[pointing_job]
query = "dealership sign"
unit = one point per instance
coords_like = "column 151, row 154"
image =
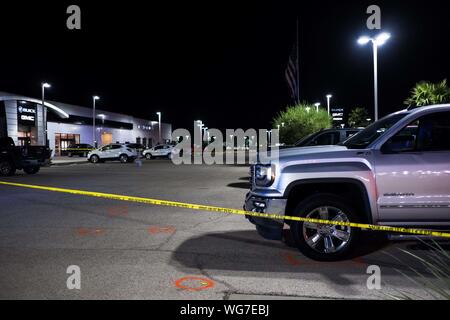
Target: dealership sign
column 26, row 115
column 337, row 114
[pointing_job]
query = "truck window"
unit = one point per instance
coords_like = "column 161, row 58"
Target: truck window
column 434, row 132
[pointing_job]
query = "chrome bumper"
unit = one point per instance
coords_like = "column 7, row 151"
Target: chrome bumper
column 270, row 229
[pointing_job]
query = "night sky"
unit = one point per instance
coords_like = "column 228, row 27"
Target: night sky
column 219, row 61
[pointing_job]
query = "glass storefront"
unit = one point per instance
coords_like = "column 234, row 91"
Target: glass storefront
column 63, row 141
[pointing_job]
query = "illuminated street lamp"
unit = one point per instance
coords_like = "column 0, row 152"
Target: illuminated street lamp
column 317, row 104
column 94, row 98
column 103, row 117
column 329, row 96
column 159, row 126
column 43, row 87
column 376, row 42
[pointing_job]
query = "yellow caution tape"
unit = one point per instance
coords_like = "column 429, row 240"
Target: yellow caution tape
column 201, row 207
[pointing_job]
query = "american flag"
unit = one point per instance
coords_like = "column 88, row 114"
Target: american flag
column 292, row 74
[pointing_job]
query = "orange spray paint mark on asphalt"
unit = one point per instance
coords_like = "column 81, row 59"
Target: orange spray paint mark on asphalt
column 89, row 231
column 158, row 229
column 293, row 261
column 117, row 211
column 191, row 283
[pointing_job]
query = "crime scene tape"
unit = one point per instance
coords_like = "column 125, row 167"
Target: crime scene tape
column 201, row 207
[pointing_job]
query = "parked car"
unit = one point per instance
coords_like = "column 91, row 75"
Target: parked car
column 26, row 158
column 139, row 148
column 112, row 151
column 78, row 150
column 327, row 137
column 395, row 172
column 165, row 150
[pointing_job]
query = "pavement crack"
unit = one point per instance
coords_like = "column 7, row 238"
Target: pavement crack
column 199, row 266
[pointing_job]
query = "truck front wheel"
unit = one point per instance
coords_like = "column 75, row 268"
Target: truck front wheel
column 325, row 242
column 7, row 168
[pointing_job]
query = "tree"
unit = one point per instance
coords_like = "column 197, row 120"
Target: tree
column 358, row 118
column 428, row 93
column 299, row 121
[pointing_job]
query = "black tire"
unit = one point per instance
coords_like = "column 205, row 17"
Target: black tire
column 320, row 237
column 94, row 158
column 31, row 170
column 7, row 168
column 148, row 156
column 123, row 158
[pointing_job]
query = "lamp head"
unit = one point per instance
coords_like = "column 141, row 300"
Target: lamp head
column 363, row 40
column 382, row 38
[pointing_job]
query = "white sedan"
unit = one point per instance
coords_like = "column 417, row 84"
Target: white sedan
column 112, row 152
column 165, row 150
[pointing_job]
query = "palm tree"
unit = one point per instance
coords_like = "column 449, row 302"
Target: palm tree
column 428, row 93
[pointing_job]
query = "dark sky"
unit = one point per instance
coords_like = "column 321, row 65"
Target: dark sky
column 219, row 61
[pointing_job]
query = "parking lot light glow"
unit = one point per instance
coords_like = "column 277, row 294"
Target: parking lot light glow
column 159, row 126
column 382, row 38
column 329, row 96
column 45, row 85
column 317, row 104
column 94, row 134
column 379, row 40
column 363, row 40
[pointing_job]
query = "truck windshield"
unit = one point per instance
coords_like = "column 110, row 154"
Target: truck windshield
column 364, row 138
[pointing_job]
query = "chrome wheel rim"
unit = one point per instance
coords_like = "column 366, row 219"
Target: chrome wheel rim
column 323, row 238
column 123, row 158
column 94, row 159
column 148, row 156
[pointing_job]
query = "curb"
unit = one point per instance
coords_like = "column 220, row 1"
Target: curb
column 67, row 163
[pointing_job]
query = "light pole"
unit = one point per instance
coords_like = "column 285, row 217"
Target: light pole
column 269, row 133
column 376, row 42
column 94, row 98
column 159, row 126
column 329, row 96
column 205, row 133
column 317, row 104
column 44, row 109
column 200, row 125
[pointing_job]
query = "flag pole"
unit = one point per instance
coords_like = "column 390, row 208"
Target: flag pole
column 297, row 62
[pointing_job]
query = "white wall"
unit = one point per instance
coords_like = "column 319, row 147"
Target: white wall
column 120, row 135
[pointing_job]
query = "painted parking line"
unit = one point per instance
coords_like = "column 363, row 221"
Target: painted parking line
column 199, row 207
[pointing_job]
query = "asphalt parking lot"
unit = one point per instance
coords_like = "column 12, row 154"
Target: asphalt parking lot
column 135, row 251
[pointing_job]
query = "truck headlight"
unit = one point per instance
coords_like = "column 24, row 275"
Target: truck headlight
column 264, row 175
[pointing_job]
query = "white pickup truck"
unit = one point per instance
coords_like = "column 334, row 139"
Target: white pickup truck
column 396, row 172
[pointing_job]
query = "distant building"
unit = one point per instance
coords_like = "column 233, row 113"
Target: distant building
column 25, row 120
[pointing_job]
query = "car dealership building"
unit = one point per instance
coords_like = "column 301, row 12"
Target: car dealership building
column 26, row 121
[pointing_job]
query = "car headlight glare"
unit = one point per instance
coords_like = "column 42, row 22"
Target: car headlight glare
column 264, row 175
